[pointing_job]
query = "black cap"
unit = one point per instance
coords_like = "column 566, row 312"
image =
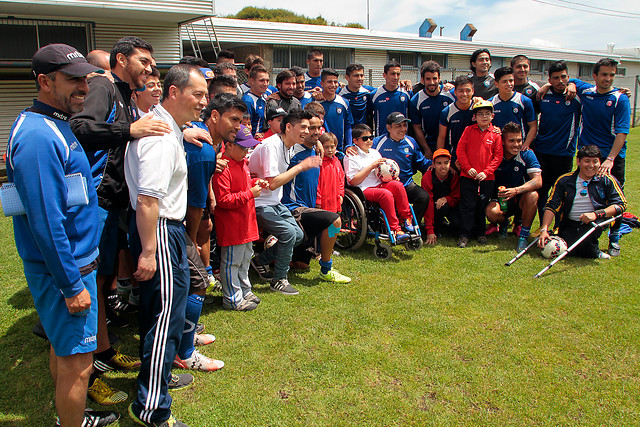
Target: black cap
column 395, row 118
column 61, row 57
column 272, row 113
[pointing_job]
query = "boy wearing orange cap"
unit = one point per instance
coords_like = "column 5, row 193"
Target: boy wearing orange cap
column 442, row 184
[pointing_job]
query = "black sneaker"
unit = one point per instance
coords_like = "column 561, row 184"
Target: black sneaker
column 463, row 242
column 180, row 381
column 263, row 270
column 97, row 418
column 283, row 286
column 38, row 330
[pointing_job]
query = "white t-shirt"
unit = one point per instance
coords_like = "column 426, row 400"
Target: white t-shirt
column 354, row 164
column 268, row 160
column 156, row 166
column 581, row 204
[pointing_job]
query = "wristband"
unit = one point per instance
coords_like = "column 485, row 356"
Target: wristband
column 610, row 158
column 600, row 213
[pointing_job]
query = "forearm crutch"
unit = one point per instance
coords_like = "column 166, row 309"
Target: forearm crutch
column 522, row 252
column 594, row 227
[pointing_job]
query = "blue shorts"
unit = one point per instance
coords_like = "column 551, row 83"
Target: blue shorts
column 67, row 334
column 109, row 231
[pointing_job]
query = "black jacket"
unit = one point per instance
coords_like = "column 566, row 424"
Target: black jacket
column 604, row 191
column 103, row 131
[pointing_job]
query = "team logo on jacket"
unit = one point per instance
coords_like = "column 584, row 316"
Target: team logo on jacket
column 402, row 98
column 339, row 110
column 567, row 103
column 487, row 83
column 609, row 103
column 515, row 110
column 528, row 91
column 516, row 168
column 445, row 103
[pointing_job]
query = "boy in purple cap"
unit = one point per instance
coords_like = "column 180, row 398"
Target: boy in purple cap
column 236, row 222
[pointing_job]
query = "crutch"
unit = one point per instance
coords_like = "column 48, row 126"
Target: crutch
column 594, row 227
column 522, row 252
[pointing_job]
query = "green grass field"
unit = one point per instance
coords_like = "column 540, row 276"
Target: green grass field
column 443, row 336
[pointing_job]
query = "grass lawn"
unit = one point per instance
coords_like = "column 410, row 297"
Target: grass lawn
column 443, row 336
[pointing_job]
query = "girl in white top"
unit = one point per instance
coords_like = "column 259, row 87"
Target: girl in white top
column 360, row 171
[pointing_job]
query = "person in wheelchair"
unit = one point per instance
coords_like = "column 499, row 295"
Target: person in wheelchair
column 391, row 196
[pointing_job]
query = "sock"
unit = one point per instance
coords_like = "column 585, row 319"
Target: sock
column 105, row 355
column 504, row 225
column 325, row 266
column 614, row 236
column 194, row 308
column 94, row 376
column 210, row 270
column 524, row 232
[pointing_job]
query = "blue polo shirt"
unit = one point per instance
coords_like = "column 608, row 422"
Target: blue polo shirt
column 517, row 109
column 201, row 164
column 358, row 102
column 406, row 154
column 603, row 116
column 558, row 126
column 255, row 107
column 306, row 98
column 338, row 120
column 302, row 190
column 385, row 102
column 424, row 110
column 311, row 82
column 456, row 121
column 515, row 172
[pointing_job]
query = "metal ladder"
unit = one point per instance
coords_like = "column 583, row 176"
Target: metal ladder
column 210, row 29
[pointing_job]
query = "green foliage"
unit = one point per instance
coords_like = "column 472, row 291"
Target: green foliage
column 282, row 15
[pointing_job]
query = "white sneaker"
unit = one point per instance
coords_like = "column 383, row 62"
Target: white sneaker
column 203, row 339
column 198, row 362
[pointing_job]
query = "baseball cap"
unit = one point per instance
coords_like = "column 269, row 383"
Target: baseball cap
column 274, row 112
column 244, row 138
column 395, row 118
column 441, row 152
column 207, row 72
column 61, row 57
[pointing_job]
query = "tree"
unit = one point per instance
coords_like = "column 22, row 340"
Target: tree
column 282, row 15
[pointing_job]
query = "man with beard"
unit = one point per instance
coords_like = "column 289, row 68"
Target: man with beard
column 286, row 84
column 58, row 242
column 105, row 126
column 425, row 108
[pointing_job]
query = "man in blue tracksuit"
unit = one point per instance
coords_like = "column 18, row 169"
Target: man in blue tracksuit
column 57, row 240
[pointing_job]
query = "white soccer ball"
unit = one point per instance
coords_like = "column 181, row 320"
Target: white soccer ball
column 388, row 171
column 554, row 247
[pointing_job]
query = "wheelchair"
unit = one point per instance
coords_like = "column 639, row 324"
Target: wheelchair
column 362, row 218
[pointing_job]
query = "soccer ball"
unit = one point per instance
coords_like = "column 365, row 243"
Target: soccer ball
column 554, row 247
column 388, row 171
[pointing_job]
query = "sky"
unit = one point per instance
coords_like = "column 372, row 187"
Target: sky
column 527, row 22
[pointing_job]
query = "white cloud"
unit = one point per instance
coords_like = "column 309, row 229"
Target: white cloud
column 543, row 43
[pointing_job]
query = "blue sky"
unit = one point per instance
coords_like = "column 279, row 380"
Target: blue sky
column 509, row 21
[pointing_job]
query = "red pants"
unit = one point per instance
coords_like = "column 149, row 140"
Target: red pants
column 390, row 196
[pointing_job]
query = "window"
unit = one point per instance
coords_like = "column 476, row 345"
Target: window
column 406, row 59
column 285, row 57
column 621, row 71
column 585, row 70
column 28, row 36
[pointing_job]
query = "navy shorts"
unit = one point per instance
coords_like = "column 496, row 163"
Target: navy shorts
column 109, row 229
column 67, row 334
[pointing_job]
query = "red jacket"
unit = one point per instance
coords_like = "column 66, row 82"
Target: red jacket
column 330, row 185
column 452, row 199
column 235, row 213
column 481, row 150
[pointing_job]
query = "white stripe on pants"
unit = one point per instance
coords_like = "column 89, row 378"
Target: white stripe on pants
column 234, row 272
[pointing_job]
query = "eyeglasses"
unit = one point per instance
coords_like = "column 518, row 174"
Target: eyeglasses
column 584, row 188
column 366, row 138
column 483, row 114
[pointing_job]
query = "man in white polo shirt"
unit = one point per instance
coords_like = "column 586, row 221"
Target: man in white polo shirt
column 156, row 173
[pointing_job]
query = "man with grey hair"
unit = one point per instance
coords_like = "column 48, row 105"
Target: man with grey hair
column 156, row 173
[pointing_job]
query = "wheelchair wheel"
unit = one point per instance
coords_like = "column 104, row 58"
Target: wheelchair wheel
column 382, row 251
column 354, row 222
column 414, row 244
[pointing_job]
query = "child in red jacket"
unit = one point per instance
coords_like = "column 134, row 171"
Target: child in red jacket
column 479, row 153
column 236, row 223
column 331, row 181
column 442, row 184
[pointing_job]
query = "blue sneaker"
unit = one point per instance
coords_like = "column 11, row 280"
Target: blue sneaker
column 408, row 226
column 522, row 244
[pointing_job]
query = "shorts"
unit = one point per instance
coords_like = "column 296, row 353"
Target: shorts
column 110, row 236
column 67, row 334
column 513, row 206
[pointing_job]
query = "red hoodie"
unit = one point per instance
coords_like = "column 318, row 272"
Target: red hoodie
column 330, row 185
column 481, row 150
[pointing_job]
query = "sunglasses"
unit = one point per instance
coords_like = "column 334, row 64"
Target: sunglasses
column 584, row 188
column 366, row 138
